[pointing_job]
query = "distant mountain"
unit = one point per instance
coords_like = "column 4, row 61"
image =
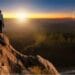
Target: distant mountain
column 51, row 25
column 59, row 25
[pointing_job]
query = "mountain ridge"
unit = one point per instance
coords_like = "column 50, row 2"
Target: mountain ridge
column 12, row 61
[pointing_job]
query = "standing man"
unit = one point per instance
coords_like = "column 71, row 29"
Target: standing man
column 1, row 22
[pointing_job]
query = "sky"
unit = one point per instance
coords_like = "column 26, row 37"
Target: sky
column 39, row 8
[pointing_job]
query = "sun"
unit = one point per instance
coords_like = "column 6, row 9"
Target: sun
column 21, row 16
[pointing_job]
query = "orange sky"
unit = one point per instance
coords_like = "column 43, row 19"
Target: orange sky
column 41, row 15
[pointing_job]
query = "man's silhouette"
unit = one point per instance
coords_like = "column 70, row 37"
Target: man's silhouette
column 1, row 26
column 1, row 22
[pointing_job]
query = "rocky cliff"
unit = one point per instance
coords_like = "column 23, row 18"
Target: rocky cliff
column 13, row 62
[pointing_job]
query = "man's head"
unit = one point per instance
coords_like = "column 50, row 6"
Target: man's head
column 0, row 11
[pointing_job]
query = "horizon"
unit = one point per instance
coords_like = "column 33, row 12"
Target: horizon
column 39, row 15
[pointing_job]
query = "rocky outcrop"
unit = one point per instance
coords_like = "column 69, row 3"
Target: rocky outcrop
column 13, row 62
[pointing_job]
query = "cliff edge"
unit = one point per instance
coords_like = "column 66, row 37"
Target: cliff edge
column 13, row 62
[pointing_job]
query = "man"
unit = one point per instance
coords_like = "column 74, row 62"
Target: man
column 1, row 22
column 1, row 26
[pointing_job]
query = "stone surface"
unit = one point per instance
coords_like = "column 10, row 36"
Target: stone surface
column 13, row 62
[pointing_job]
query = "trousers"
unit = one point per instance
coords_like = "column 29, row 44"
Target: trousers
column 0, row 26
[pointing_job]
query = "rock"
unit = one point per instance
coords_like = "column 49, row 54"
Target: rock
column 13, row 62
